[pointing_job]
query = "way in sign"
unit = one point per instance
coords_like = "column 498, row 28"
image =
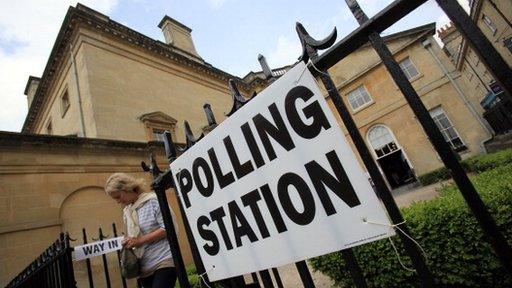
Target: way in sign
column 97, row 248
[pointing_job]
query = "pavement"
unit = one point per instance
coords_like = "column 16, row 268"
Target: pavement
column 405, row 196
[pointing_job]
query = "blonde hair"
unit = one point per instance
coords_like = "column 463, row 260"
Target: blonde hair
column 123, row 182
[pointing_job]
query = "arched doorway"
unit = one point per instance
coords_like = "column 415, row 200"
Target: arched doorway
column 390, row 156
column 90, row 208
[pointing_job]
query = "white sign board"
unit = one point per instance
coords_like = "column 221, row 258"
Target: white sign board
column 276, row 183
column 97, row 248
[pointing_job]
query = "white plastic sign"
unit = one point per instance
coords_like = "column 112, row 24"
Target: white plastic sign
column 276, row 183
column 97, row 248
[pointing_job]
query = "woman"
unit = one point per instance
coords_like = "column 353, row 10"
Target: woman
column 145, row 230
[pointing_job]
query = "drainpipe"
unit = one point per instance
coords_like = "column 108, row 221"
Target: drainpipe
column 72, row 56
column 428, row 45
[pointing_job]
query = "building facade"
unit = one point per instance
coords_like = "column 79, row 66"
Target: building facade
column 392, row 132
column 107, row 90
column 494, row 20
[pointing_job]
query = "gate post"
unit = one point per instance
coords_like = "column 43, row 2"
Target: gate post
column 170, row 230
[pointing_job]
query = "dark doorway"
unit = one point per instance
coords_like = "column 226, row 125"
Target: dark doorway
column 396, row 169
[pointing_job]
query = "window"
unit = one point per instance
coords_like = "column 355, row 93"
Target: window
column 382, row 141
column 408, row 68
column 49, row 128
column 64, row 103
column 359, row 97
column 156, row 123
column 447, row 129
column 508, row 44
column 489, row 24
column 158, row 135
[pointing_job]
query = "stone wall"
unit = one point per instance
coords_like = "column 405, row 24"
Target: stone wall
column 52, row 184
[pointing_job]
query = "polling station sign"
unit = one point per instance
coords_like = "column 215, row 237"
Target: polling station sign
column 97, row 248
column 276, row 183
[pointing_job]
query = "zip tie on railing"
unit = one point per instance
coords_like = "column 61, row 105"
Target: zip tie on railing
column 303, row 70
column 318, row 70
column 300, row 75
column 396, row 226
column 202, row 274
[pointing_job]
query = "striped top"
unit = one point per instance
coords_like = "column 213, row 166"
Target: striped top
column 150, row 219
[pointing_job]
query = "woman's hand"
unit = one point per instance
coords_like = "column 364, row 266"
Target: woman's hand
column 132, row 242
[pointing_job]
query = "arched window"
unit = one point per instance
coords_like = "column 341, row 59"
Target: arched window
column 381, row 140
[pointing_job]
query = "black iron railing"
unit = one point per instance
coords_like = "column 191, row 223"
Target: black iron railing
column 53, row 268
column 369, row 31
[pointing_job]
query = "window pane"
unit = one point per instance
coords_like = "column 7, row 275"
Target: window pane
column 447, row 129
column 456, row 143
column 444, row 123
column 358, row 97
column 408, row 68
column 451, row 133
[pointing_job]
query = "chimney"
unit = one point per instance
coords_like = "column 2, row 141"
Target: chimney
column 178, row 35
column 31, row 88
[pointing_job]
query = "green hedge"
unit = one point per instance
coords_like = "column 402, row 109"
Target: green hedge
column 476, row 164
column 458, row 255
column 486, row 162
column 435, row 176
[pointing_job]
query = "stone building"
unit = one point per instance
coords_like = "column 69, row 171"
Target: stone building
column 470, row 66
column 389, row 126
column 107, row 90
column 493, row 18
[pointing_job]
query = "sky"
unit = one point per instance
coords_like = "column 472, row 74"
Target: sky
column 229, row 34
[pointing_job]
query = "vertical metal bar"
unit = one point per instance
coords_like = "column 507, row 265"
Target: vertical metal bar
column 355, row 270
column 172, row 237
column 254, row 277
column 305, row 275
column 88, row 262
column 236, row 282
column 380, row 185
column 118, row 256
column 277, row 277
column 69, row 262
column 482, row 46
column 159, row 185
column 193, row 247
column 64, row 276
column 105, row 264
column 57, row 269
column 58, row 273
column 49, row 267
column 170, row 151
column 468, row 191
column 266, row 279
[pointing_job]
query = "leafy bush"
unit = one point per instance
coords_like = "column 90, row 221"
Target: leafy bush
column 488, row 161
column 457, row 252
column 435, row 176
column 479, row 163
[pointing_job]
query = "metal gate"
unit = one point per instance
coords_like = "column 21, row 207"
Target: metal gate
column 369, row 31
